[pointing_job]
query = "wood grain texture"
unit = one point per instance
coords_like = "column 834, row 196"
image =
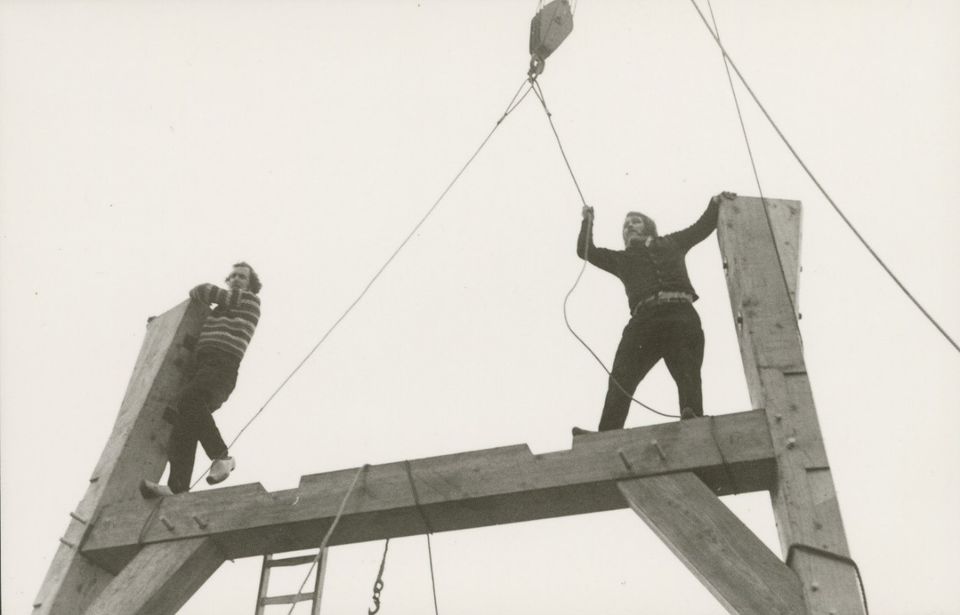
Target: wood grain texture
column 804, row 500
column 136, row 449
column 160, row 579
column 464, row 490
column 737, row 568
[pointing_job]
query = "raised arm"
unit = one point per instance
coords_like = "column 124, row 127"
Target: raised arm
column 701, row 229
column 601, row 257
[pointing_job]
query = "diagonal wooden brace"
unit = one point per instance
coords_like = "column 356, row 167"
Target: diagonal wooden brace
column 160, row 579
column 738, row 569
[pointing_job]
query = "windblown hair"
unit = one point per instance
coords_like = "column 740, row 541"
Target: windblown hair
column 255, row 284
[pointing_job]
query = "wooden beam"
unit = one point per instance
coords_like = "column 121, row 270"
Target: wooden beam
column 785, row 219
column 732, row 453
column 804, row 500
column 136, row 449
column 160, row 579
column 737, row 568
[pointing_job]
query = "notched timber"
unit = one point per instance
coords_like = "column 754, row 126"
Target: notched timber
column 136, row 449
column 762, row 258
column 465, row 490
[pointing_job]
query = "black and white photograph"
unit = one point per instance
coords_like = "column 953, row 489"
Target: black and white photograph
column 467, row 307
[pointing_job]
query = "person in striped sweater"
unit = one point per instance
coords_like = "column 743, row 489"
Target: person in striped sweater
column 223, row 340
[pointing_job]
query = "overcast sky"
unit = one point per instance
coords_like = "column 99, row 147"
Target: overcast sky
column 146, row 146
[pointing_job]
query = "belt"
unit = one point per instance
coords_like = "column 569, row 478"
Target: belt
column 664, row 297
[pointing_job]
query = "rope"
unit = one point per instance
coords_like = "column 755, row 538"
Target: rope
column 836, row 557
column 426, row 524
column 809, row 173
column 736, row 102
column 513, row 104
column 538, row 91
column 326, row 537
column 149, row 520
column 726, row 63
column 723, row 459
column 753, row 165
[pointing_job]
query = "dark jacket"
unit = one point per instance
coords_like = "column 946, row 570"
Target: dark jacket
column 647, row 270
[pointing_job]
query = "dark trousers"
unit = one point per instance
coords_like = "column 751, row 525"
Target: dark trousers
column 207, row 389
column 668, row 331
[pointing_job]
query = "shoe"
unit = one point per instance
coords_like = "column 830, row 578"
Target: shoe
column 577, row 431
column 220, row 470
column 688, row 413
column 150, row 489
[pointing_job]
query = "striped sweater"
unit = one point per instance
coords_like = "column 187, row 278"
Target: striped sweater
column 230, row 326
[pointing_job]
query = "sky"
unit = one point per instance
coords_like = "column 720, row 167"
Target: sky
column 147, row 146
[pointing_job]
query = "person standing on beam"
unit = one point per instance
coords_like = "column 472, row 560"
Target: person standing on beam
column 223, row 341
column 663, row 322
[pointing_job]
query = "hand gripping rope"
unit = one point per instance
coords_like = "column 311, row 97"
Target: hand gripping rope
column 538, row 91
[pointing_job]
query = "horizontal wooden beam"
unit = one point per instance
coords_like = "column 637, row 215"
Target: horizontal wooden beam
column 730, row 453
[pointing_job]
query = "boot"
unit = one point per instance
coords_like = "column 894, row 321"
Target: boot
column 150, row 489
column 220, row 470
column 688, row 413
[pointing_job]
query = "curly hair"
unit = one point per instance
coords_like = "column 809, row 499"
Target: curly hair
column 255, row 284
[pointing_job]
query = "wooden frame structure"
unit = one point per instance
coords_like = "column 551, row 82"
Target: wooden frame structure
column 125, row 555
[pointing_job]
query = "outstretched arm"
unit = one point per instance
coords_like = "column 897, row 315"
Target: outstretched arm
column 701, row 229
column 600, row 257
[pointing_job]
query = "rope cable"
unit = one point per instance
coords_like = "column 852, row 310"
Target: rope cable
column 513, row 104
column 823, row 191
column 736, row 102
column 326, row 537
column 734, row 487
column 429, row 528
column 538, row 92
column 756, row 175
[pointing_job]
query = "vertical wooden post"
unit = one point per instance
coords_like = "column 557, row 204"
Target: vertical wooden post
column 761, row 256
column 136, row 449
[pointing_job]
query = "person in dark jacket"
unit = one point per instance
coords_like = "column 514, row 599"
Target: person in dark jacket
column 223, row 341
column 663, row 322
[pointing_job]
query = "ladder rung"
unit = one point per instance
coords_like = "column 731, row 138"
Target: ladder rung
column 291, row 561
column 286, row 599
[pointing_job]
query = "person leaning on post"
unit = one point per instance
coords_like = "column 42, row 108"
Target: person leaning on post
column 221, row 346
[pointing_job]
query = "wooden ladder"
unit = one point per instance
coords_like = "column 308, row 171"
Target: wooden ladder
column 263, row 600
